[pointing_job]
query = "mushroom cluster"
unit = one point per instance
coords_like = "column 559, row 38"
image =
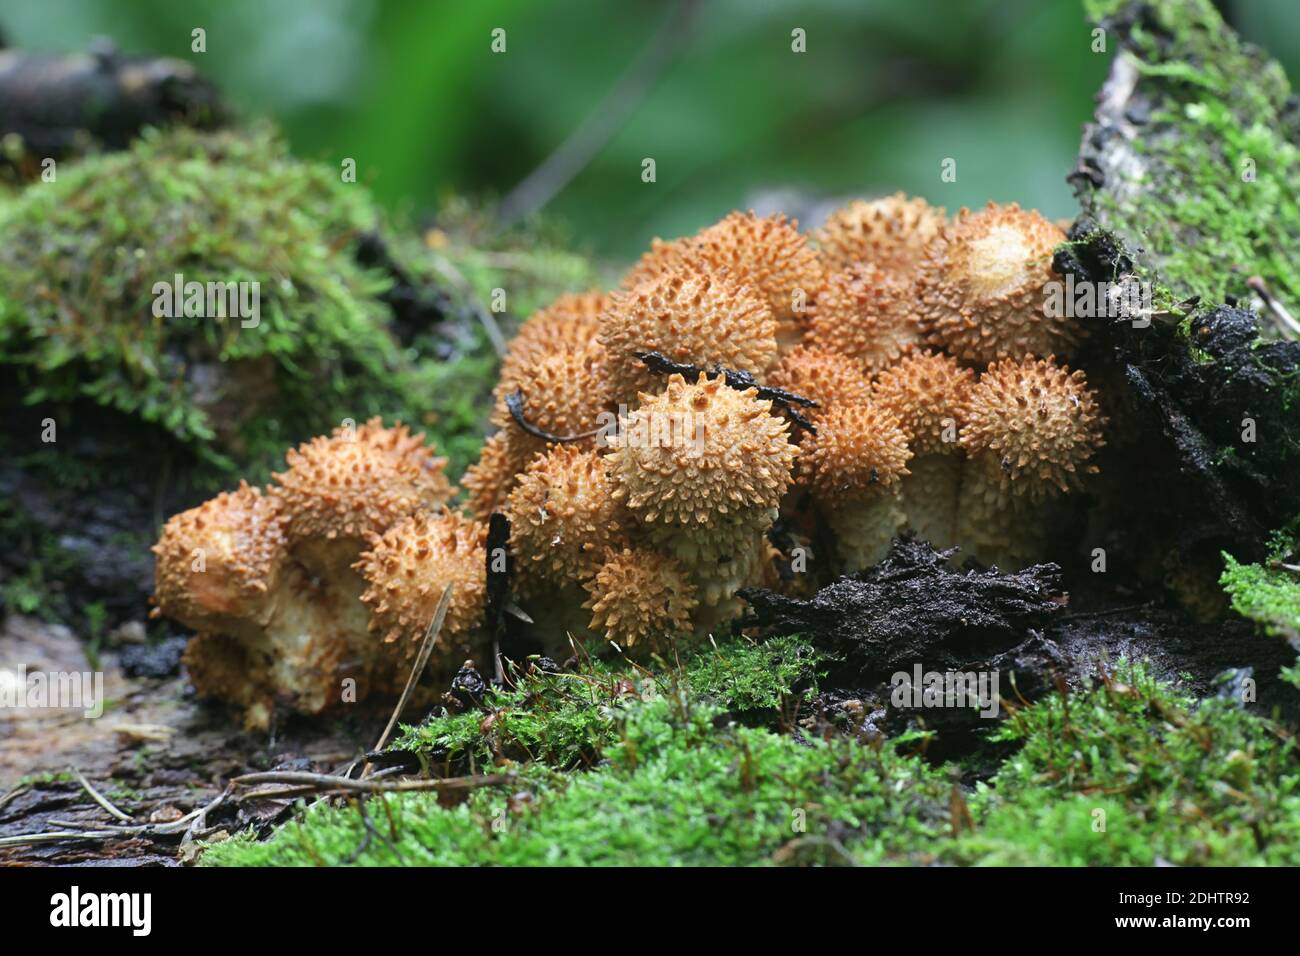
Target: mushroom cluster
column 300, row 591
column 897, row 369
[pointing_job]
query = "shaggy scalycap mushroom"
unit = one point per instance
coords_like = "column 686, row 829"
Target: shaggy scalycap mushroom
column 928, row 391
column 826, row 377
column 1036, row 424
column 406, row 570
column 216, row 564
column 694, row 318
column 639, row 595
column 700, row 454
column 853, row 466
column 564, row 394
column 859, row 451
column 890, row 233
column 984, row 287
column 570, row 322
column 866, row 314
column 769, row 254
column 488, row 481
column 357, row 483
column 563, row 517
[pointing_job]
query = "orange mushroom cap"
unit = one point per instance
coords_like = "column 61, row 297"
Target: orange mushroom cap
column 563, row 516
column 866, row 314
column 691, row 316
column 637, row 595
column 1035, row 424
column 984, row 287
column 700, row 455
column 890, row 233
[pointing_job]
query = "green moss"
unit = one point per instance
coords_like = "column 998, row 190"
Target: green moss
column 1216, row 202
column 679, row 782
column 1131, row 772
column 1267, row 595
column 83, row 255
column 570, row 719
column 678, row 790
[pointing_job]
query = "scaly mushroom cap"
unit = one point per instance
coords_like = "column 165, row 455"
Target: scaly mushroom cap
column 570, row 322
column 662, row 256
column 564, row 393
column 489, row 480
column 693, row 317
column 700, row 455
column 1035, row 424
column 867, row 315
column 983, row 287
column 563, row 517
column 891, row 233
column 638, row 595
column 767, row 253
column 358, row 482
column 926, row 391
column 406, row 570
column 828, row 378
column 859, row 451
column 217, row 562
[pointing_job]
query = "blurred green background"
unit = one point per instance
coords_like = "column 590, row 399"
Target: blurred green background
column 885, row 92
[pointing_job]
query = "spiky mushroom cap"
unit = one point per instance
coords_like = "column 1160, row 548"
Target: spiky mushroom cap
column 406, row 570
column 858, row 452
column 693, row 317
column 701, row 455
column 827, row 377
column 638, row 595
column 866, row 314
column 891, row 233
column 489, row 480
column 983, row 287
column 662, row 256
column 563, row 517
column 563, row 393
column 216, row 563
column 570, row 322
column 358, row 482
column 1035, row 424
column 767, row 253
column 927, row 391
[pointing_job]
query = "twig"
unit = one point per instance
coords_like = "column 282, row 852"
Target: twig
column 515, row 405
column 573, row 155
column 34, row 839
column 183, row 825
column 736, row 379
column 486, row 319
column 12, row 795
column 98, row 797
column 421, row 659
column 1289, row 325
column 1105, row 612
column 324, row 781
